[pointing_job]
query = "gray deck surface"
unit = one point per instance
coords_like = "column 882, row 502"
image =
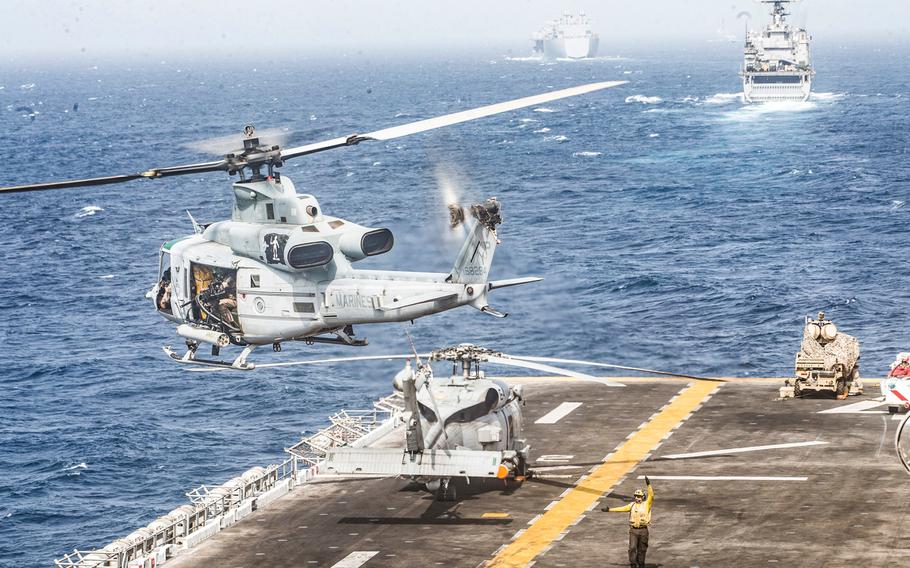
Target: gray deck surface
column 850, row 511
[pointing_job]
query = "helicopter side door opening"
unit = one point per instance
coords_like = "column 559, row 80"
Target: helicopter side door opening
column 214, row 293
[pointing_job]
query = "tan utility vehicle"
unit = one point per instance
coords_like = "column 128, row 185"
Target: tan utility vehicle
column 828, row 360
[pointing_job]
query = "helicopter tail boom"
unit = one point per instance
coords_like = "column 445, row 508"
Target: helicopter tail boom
column 472, row 266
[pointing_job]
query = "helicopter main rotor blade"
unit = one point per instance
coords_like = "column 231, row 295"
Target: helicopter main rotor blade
column 152, row 173
column 448, row 119
column 611, row 366
column 273, row 155
column 508, row 360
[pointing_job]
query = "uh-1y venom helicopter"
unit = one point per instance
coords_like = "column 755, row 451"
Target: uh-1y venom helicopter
column 461, row 431
column 281, row 269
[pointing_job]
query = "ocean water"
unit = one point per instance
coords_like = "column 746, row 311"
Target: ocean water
column 675, row 228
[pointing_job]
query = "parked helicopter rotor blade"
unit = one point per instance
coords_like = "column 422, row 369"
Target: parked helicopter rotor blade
column 510, row 361
column 447, row 120
column 341, row 360
column 612, row 366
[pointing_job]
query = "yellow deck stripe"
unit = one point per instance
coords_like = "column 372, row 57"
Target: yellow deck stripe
column 580, row 498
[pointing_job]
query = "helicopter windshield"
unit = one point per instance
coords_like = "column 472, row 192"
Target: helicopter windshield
column 163, row 297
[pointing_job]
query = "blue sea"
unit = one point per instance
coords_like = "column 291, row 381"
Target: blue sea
column 675, row 227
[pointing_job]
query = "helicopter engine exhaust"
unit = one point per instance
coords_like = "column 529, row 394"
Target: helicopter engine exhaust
column 357, row 245
column 204, row 335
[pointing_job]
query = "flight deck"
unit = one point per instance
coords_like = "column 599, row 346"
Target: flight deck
column 740, row 478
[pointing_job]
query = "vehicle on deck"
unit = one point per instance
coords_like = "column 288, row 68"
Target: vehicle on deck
column 828, row 360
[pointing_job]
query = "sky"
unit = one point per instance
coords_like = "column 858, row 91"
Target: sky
column 126, row 28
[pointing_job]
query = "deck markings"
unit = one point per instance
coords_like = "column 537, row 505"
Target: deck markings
column 549, row 458
column 861, row 407
column 558, row 413
column 725, row 478
column 355, row 559
column 576, row 500
column 741, row 450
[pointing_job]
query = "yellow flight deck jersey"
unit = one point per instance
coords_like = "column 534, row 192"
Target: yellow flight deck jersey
column 639, row 513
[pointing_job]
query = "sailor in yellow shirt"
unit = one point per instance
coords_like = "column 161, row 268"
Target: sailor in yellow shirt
column 639, row 520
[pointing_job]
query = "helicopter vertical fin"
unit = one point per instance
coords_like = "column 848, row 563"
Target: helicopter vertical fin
column 472, row 265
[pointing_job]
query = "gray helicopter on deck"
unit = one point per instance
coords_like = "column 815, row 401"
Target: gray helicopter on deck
column 282, row 270
column 462, row 432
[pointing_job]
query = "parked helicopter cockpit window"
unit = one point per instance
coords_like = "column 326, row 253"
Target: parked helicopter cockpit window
column 254, row 281
column 310, row 255
column 270, row 211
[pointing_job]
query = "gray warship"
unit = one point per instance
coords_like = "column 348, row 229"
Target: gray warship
column 776, row 66
column 570, row 36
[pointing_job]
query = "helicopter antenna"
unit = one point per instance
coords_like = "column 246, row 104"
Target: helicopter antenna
column 413, row 347
column 197, row 228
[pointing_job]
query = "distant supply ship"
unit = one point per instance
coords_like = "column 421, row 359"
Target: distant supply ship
column 568, row 37
column 776, row 60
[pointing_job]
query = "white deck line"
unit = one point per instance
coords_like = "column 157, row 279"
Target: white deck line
column 558, row 413
column 862, row 406
column 355, row 559
column 742, row 450
column 724, row 478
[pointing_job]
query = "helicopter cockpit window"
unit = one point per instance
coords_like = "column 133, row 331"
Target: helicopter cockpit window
column 215, row 293
column 270, row 211
column 163, row 298
column 254, row 281
column 310, row 255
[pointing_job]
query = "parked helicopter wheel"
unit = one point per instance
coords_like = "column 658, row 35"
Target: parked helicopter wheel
column 447, row 491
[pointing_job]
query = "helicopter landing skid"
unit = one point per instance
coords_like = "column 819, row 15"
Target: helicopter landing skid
column 336, row 341
column 189, row 358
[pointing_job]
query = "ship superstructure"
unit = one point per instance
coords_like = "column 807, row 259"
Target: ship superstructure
column 570, row 36
column 776, row 63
